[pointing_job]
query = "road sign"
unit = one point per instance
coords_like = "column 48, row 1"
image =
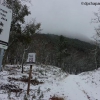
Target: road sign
column 31, row 57
column 5, row 22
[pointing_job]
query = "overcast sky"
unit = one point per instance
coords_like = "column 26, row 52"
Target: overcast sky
column 67, row 17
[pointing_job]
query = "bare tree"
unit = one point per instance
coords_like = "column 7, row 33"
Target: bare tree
column 97, row 36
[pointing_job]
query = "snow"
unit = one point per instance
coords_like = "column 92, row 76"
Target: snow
column 85, row 86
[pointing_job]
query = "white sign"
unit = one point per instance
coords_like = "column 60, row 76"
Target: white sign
column 31, row 57
column 5, row 22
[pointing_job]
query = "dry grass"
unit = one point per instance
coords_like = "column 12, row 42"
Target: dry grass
column 33, row 81
column 11, row 88
column 56, row 98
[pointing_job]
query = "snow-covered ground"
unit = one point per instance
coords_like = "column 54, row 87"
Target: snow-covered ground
column 53, row 81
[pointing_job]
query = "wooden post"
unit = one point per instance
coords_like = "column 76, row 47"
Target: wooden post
column 29, row 80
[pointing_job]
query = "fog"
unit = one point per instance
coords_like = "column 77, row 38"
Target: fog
column 65, row 17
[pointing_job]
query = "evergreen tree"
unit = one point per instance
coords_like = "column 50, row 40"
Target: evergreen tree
column 62, row 49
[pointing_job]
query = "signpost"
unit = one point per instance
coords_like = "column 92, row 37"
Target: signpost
column 31, row 58
column 30, row 61
column 5, row 22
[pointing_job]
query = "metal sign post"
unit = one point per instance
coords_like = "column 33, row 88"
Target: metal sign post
column 30, row 61
column 1, row 57
column 5, row 22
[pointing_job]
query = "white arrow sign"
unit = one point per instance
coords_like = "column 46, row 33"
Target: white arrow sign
column 31, row 57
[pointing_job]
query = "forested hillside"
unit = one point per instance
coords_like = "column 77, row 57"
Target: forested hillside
column 72, row 55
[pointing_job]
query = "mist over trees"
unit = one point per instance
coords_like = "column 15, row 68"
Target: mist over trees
column 72, row 55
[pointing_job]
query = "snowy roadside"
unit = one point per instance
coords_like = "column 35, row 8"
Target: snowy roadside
column 48, row 81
